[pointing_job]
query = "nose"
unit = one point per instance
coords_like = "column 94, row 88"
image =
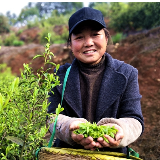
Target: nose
column 88, row 41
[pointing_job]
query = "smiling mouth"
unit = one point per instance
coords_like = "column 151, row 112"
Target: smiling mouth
column 87, row 52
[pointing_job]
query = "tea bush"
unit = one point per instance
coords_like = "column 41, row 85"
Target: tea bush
column 23, row 109
column 6, row 77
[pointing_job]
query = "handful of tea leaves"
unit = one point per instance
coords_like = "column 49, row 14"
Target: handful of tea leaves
column 88, row 129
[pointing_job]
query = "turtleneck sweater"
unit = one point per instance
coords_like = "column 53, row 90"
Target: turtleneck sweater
column 90, row 82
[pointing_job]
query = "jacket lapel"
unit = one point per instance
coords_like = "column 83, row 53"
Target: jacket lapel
column 72, row 94
column 113, row 84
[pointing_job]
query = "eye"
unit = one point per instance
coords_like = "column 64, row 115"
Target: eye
column 79, row 37
column 95, row 34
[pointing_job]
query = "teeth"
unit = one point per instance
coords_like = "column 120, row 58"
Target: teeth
column 89, row 52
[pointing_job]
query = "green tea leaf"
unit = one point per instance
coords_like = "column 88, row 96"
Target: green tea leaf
column 51, row 63
column 37, row 56
column 15, row 140
column 88, row 129
column 59, row 109
column 1, row 102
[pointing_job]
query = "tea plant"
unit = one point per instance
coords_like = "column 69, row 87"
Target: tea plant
column 23, row 110
column 88, row 129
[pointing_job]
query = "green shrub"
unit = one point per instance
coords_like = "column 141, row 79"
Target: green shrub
column 56, row 39
column 23, row 109
column 117, row 37
column 58, row 19
column 44, row 31
column 34, row 23
column 18, row 43
column 8, row 41
column 134, row 15
column 60, row 41
column 12, row 40
column 1, row 41
column 6, row 77
column 65, row 34
column 104, row 7
column 19, row 31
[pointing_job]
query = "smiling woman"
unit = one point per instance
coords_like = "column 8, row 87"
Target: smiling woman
column 99, row 89
column 12, row 6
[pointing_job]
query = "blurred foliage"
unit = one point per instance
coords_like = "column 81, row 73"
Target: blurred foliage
column 4, row 25
column 104, row 7
column 6, row 77
column 122, row 17
column 11, row 40
column 35, row 23
column 55, row 37
column 126, row 16
column 44, row 31
column 1, row 41
column 134, row 16
column 18, row 43
column 19, row 31
column 118, row 37
column 46, row 8
column 28, row 14
column 8, row 41
column 56, row 19
column 12, row 18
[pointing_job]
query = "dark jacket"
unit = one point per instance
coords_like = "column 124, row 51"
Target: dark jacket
column 119, row 95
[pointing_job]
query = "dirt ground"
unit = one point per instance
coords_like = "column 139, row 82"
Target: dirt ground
column 141, row 50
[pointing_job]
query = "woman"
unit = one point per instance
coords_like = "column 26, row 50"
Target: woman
column 99, row 89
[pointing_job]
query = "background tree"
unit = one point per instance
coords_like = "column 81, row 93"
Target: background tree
column 12, row 18
column 4, row 24
column 134, row 16
column 28, row 14
column 104, row 7
column 61, row 7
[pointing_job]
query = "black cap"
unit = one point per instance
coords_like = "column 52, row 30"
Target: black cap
column 85, row 13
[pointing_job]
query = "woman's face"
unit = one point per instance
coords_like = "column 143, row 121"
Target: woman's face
column 88, row 44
